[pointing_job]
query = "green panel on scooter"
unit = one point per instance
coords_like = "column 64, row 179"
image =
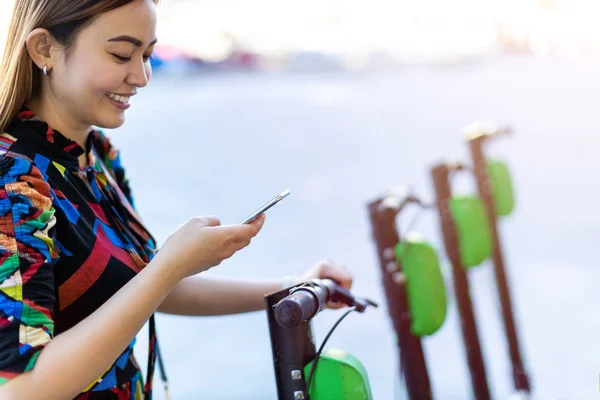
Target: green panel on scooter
column 338, row 375
column 473, row 229
column 502, row 187
column 425, row 289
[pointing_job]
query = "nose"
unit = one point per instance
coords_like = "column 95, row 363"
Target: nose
column 139, row 75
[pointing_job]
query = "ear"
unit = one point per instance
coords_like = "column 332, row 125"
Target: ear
column 40, row 44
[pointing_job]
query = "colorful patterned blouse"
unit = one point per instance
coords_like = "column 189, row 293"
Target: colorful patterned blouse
column 70, row 238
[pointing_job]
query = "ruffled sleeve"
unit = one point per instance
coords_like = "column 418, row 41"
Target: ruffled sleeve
column 27, row 290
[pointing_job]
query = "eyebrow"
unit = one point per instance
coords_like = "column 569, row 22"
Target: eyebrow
column 130, row 39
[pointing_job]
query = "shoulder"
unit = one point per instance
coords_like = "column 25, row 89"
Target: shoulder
column 17, row 155
column 18, row 142
column 20, row 178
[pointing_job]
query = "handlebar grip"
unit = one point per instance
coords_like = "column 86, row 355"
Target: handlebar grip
column 303, row 304
column 296, row 308
column 306, row 301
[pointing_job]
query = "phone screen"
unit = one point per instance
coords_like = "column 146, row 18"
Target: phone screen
column 265, row 207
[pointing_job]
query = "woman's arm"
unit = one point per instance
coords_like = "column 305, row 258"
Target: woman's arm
column 207, row 295
column 75, row 358
column 211, row 295
column 72, row 360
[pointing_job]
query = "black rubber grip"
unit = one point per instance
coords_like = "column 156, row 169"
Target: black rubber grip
column 296, row 308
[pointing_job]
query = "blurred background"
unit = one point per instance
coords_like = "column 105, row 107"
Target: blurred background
column 340, row 99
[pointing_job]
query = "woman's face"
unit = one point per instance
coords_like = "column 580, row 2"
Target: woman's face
column 108, row 62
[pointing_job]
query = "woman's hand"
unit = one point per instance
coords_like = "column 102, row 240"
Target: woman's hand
column 202, row 243
column 331, row 270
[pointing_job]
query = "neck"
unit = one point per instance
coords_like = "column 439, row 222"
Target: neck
column 51, row 113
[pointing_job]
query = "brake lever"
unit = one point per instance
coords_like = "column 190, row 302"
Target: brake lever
column 362, row 304
column 344, row 296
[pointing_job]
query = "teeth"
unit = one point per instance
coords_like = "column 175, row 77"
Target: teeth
column 121, row 99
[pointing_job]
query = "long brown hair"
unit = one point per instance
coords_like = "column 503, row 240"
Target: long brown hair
column 19, row 78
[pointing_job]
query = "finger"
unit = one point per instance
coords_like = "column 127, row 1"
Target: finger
column 347, row 280
column 211, row 220
column 241, row 236
column 339, row 274
column 254, row 227
column 258, row 222
column 245, row 231
column 243, row 244
column 335, row 305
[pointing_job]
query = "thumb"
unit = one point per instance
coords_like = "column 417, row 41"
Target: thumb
column 211, row 220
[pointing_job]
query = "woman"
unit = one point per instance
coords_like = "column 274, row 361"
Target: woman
column 78, row 272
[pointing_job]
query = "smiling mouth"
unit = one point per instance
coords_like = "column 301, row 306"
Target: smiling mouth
column 120, row 99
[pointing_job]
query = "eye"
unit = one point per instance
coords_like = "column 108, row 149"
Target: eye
column 148, row 57
column 122, row 59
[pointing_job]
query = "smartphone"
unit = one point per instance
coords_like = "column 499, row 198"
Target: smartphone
column 265, row 207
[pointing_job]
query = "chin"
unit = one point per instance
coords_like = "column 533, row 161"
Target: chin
column 112, row 122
